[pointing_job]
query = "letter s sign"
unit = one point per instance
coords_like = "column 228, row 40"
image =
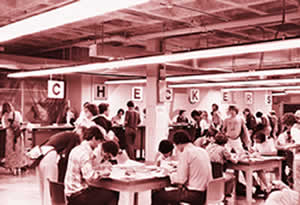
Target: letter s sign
column 56, row 89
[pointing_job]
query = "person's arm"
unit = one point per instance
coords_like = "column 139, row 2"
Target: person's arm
column 88, row 171
column 126, row 118
column 181, row 176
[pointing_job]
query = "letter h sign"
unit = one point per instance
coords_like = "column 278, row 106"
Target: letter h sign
column 100, row 92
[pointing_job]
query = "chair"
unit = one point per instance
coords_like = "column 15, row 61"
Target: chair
column 215, row 191
column 57, row 193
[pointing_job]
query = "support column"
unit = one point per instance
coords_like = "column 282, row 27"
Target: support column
column 156, row 125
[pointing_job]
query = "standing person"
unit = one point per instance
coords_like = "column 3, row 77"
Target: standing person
column 196, row 115
column 132, row 120
column 15, row 157
column 274, row 124
column 117, row 120
column 181, row 117
column 81, row 169
column 102, row 119
column 250, row 121
column 235, row 129
column 204, row 123
column 57, row 147
column 193, row 174
column 265, row 122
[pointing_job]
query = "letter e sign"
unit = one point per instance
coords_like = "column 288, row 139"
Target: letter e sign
column 56, row 89
column 137, row 94
column 194, row 96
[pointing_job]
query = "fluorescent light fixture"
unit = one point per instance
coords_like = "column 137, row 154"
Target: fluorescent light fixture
column 293, row 91
column 80, row 10
column 129, row 81
column 237, row 83
column 279, row 94
column 275, row 88
column 206, row 53
column 271, row 72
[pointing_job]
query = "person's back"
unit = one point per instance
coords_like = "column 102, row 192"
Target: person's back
column 132, row 119
column 196, row 161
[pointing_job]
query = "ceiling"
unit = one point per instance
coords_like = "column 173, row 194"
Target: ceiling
column 157, row 27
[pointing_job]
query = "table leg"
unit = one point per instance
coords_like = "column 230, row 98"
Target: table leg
column 278, row 171
column 126, row 198
column 249, row 185
column 236, row 174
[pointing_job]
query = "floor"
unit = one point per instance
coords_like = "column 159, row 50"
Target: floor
column 24, row 189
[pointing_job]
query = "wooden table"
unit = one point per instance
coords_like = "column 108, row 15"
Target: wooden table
column 266, row 163
column 136, row 191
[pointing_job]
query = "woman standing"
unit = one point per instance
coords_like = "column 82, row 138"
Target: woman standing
column 15, row 157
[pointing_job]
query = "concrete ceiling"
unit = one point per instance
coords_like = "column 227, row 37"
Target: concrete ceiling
column 178, row 25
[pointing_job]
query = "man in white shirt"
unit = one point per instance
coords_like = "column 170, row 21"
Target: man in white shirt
column 81, row 170
column 193, row 174
column 235, row 128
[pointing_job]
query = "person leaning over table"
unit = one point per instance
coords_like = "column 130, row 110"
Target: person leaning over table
column 193, row 174
column 165, row 152
column 80, row 171
column 58, row 147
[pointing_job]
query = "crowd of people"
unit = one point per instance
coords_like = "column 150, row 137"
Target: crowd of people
column 72, row 157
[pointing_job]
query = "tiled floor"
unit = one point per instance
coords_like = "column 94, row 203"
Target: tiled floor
column 24, row 190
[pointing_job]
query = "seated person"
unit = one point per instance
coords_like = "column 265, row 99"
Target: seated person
column 165, row 152
column 80, row 171
column 193, row 174
column 218, row 155
column 262, row 146
column 282, row 195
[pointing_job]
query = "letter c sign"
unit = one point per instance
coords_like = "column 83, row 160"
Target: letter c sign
column 56, row 89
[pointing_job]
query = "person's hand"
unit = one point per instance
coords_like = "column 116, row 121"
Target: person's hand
column 251, row 150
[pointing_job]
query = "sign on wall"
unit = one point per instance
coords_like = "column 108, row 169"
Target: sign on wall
column 100, row 92
column 226, row 97
column 249, row 98
column 56, row 89
column 137, row 94
column 169, row 95
column 194, row 95
column 268, row 99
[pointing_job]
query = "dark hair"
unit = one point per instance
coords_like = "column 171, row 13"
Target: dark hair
column 85, row 104
column 259, row 114
column 92, row 108
column 111, row 147
column 165, row 146
column 215, row 105
column 181, row 112
column 221, row 138
column 103, row 107
column 246, row 110
column 130, row 104
column 121, row 110
column 288, row 119
column 195, row 113
column 261, row 136
column 234, row 108
column 92, row 132
column 6, row 107
column 181, row 137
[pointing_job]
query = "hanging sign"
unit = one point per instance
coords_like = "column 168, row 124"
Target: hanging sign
column 137, row 94
column 268, row 99
column 169, row 95
column 226, row 97
column 194, row 95
column 100, row 92
column 56, row 89
column 249, row 98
